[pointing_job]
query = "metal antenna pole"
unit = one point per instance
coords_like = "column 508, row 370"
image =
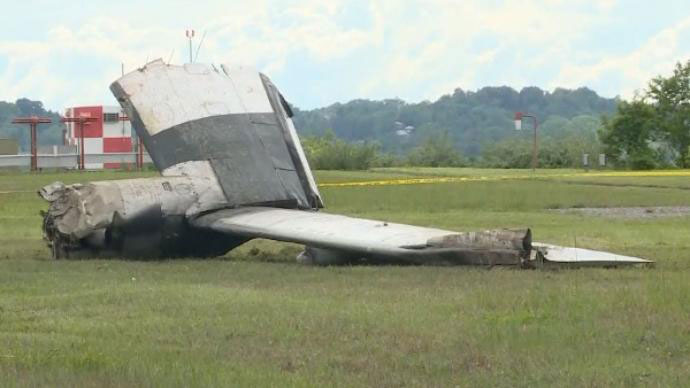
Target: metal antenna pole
column 80, row 122
column 81, row 145
column 196, row 55
column 190, row 34
column 34, row 147
column 139, row 150
column 535, row 146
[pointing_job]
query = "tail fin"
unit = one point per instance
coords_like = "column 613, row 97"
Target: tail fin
column 232, row 117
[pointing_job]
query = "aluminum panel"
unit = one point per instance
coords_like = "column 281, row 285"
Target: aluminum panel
column 171, row 95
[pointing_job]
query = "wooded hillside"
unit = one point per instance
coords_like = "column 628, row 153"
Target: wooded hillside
column 473, row 119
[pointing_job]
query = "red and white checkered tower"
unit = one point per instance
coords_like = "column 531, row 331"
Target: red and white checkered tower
column 111, row 132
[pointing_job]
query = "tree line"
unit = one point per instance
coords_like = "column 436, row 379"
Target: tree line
column 48, row 134
column 329, row 152
column 475, row 129
column 473, row 120
column 465, row 128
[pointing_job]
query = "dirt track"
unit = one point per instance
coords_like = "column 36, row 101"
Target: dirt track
column 630, row 212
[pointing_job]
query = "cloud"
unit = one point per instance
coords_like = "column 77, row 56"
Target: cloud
column 73, row 65
column 431, row 47
column 89, row 55
column 656, row 56
column 414, row 49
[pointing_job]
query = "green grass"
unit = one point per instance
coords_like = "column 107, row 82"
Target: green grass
column 254, row 317
column 468, row 171
column 659, row 182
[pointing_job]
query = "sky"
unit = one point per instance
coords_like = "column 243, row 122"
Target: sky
column 318, row 52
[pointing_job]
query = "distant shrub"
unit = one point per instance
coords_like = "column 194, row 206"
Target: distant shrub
column 642, row 161
column 436, row 151
column 507, row 154
column 517, row 153
column 385, row 159
column 331, row 153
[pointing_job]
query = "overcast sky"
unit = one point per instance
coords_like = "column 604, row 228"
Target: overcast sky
column 323, row 51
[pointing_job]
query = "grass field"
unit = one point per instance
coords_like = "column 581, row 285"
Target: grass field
column 254, row 317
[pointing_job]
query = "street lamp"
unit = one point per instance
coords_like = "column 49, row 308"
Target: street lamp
column 519, row 116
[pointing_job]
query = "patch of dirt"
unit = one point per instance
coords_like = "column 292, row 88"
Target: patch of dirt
column 630, row 212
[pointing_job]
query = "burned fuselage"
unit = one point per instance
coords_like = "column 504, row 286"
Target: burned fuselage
column 222, row 137
column 133, row 217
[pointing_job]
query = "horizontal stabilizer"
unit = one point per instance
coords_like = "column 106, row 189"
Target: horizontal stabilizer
column 574, row 257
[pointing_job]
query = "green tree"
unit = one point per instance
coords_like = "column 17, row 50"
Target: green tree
column 436, row 151
column 672, row 102
column 47, row 133
column 628, row 134
column 331, row 153
column 474, row 119
column 516, row 152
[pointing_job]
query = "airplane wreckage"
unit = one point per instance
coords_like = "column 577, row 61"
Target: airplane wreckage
column 233, row 169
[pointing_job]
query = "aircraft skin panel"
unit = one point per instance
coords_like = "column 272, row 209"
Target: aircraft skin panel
column 335, row 239
column 248, row 87
column 284, row 114
column 303, row 159
column 319, row 229
column 174, row 95
column 229, row 117
column 584, row 257
column 360, row 237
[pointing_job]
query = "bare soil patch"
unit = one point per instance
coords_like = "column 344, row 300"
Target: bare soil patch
column 630, row 212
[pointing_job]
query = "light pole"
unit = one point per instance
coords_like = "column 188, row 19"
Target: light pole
column 140, row 149
column 190, row 34
column 33, row 122
column 81, row 123
column 518, row 126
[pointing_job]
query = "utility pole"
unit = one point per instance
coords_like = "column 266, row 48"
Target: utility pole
column 140, row 146
column 81, row 123
column 518, row 126
column 33, row 122
column 190, row 34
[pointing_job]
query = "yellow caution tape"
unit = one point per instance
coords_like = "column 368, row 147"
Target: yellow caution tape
column 417, row 181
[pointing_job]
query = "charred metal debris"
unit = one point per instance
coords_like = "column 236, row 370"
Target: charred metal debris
column 233, row 169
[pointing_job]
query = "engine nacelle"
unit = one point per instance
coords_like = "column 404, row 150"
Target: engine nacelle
column 134, row 217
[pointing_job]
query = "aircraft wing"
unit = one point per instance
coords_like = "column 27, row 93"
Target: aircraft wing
column 332, row 238
column 338, row 239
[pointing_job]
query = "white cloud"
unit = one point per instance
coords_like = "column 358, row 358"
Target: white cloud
column 656, row 56
column 415, row 50
column 258, row 37
column 446, row 31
